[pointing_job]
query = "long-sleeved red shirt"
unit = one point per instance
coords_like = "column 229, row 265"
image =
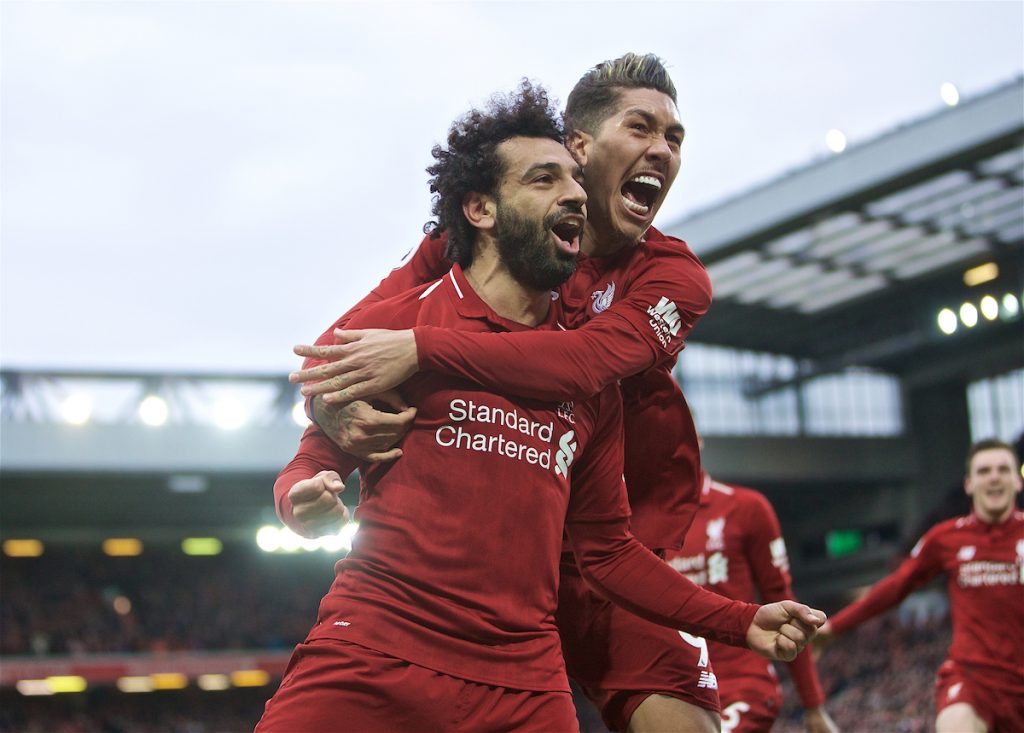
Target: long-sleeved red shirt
column 630, row 313
column 455, row 564
column 735, row 547
column 984, row 568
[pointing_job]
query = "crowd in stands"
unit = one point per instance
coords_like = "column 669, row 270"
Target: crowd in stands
column 72, row 602
column 877, row 677
column 109, row 711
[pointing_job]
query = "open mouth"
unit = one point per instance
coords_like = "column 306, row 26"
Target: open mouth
column 567, row 233
column 640, row 193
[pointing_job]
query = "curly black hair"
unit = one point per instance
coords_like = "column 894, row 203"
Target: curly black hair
column 471, row 162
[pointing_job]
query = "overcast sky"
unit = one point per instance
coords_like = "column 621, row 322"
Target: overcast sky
column 196, row 186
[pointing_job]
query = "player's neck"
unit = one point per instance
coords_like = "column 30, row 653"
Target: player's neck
column 598, row 241
column 990, row 518
column 491, row 280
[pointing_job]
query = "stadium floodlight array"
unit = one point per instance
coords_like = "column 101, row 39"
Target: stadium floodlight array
column 57, row 684
column 282, row 540
column 150, row 400
column 969, row 315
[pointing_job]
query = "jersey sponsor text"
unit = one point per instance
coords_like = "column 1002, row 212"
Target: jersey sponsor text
column 664, row 320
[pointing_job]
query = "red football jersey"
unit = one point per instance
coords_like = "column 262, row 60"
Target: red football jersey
column 735, row 547
column 648, row 298
column 984, row 568
column 455, row 565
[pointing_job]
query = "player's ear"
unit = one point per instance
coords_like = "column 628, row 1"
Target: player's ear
column 480, row 209
column 578, row 144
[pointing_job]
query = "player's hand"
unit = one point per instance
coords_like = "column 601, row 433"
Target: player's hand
column 822, row 640
column 316, row 504
column 781, row 630
column 360, row 364
column 364, row 431
column 816, row 720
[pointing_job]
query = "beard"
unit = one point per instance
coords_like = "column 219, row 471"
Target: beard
column 525, row 248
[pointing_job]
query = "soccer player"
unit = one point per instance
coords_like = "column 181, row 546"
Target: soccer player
column 980, row 686
column 442, row 616
column 735, row 547
column 634, row 298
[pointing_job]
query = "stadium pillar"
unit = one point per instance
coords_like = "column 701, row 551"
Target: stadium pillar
column 939, row 427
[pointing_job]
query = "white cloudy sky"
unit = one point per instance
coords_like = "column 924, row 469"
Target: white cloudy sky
column 199, row 185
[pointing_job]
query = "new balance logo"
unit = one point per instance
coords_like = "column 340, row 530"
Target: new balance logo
column 566, row 454
column 708, row 680
column 664, row 320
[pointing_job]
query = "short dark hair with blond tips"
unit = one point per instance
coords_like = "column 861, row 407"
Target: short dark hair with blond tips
column 596, row 94
column 990, row 444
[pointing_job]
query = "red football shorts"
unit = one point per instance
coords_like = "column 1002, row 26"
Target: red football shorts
column 995, row 696
column 332, row 685
column 749, row 704
column 618, row 659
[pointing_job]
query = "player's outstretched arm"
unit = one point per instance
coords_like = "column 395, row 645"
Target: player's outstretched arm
column 646, row 326
column 817, row 720
column 782, row 629
column 621, row 569
column 548, row 365
column 360, row 362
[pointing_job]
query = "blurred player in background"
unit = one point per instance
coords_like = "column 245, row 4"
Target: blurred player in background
column 735, row 547
column 442, row 615
column 633, row 300
column 980, row 686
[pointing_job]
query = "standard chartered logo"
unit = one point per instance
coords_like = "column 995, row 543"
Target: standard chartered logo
column 483, row 428
column 566, row 452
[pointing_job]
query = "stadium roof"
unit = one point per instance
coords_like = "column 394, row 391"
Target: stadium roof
column 849, row 260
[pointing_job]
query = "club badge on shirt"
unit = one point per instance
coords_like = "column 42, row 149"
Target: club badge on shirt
column 601, row 300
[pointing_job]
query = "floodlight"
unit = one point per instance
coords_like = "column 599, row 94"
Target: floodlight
column 969, row 315
column 299, row 414
column 835, row 140
column 135, row 684
column 950, row 94
column 211, row 682
column 268, row 538
column 990, row 307
column 1011, row 306
column 153, row 411
column 249, row 678
column 229, row 414
column 947, row 321
column 76, row 409
column 23, row 548
column 981, row 274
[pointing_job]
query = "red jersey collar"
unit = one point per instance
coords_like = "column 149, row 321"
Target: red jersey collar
column 469, row 304
column 973, row 518
column 705, row 491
